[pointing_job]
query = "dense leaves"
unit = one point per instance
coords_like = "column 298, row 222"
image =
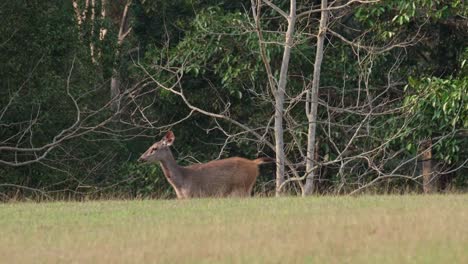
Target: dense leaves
column 405, row 62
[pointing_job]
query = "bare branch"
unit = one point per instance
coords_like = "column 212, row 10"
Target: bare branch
column 330, row 8
column 123, row 30
column 378, row 50
column 276, row 8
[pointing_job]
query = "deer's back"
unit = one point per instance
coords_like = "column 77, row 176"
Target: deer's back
column 222, row 177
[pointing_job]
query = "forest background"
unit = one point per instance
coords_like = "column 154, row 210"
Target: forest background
column 347, row 96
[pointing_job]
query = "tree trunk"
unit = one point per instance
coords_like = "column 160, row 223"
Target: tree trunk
column 115, row 91
column 124, row 30
column 312, row 102
column 279, row 98
column 429, row 179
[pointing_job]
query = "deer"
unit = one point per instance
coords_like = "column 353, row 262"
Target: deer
column 231, row 177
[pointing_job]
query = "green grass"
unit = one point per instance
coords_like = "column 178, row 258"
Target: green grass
column 367, row 229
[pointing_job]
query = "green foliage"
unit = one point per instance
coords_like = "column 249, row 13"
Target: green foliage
column 218, row 46
column 387, row 17
column 144, row 181
column 438, row 107
column 402, row 12
column 215, row 44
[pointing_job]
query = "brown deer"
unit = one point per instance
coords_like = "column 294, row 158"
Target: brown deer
column 218, row 178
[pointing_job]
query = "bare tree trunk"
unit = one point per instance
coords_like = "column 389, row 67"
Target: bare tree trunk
column 279, row 98
column 277, row 88
column 124, row 30
column 312, row 102
column 429, row 180
column 115, row 90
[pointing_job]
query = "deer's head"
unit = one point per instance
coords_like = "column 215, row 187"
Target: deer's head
column 159, row 150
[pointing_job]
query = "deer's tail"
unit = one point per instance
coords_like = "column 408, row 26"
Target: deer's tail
column 263, row 160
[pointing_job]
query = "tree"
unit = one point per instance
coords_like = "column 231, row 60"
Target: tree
column 93, row 30
column 312, row 100
column 348, row 96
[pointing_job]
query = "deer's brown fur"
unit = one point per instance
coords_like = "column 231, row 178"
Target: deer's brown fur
column 219, row 178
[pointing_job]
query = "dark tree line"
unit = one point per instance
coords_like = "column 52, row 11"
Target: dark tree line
column 348, row 96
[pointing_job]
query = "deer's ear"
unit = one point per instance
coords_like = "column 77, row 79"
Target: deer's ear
column 169, row 138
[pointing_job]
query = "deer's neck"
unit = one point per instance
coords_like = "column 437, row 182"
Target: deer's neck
column 172, row 171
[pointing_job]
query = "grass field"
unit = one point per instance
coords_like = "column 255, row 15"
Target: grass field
column 367, row 229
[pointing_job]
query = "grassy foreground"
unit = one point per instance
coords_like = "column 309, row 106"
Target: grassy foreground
column 367, row 229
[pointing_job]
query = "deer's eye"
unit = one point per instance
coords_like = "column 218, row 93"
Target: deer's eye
column 153, row 150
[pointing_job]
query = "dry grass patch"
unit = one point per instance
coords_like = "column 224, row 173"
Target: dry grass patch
column 368, row 229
